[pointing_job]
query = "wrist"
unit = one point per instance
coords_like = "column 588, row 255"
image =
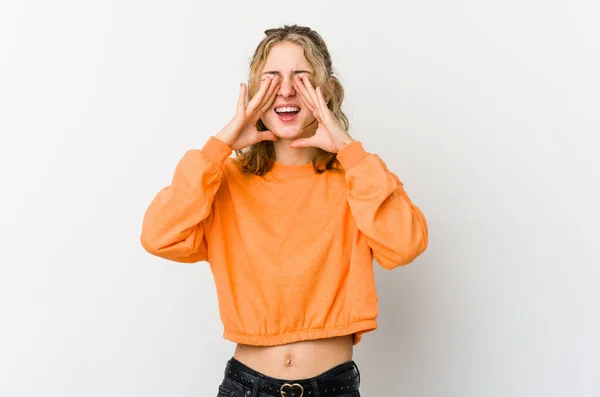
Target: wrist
column 227, row 135
column 345, row 141
column 223, row 138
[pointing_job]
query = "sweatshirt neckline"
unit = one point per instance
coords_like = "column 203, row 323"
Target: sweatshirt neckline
column 286, row 169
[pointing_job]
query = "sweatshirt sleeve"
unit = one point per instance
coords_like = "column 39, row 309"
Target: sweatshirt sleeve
column 395, row 228
column 173, row 226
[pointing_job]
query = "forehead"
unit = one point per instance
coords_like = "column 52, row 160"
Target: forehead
column 287, row 56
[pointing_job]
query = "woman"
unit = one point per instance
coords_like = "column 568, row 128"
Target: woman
column 290, row 226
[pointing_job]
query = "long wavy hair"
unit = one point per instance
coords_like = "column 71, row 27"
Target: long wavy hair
column 260, row 157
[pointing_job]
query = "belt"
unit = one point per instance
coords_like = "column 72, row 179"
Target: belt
column 341, row 379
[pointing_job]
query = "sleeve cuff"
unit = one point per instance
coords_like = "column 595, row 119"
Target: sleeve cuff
column 216, row 150
column 351, row 154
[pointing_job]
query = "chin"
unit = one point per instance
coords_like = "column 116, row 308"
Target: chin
column 284, row 130
column 287, row 132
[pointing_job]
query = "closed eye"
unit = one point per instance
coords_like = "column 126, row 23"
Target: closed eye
column 295, row 72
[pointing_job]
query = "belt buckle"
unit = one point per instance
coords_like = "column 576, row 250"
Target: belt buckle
column 291, row 385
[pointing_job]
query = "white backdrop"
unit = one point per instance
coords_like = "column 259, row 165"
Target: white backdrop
column 487, row 110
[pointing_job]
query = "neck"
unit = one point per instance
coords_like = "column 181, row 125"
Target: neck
column 284, row 154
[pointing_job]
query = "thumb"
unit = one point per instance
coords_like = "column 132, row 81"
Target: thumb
column 266, row 136
column 302, row 142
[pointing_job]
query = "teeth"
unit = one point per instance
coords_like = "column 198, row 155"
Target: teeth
column 288, row 109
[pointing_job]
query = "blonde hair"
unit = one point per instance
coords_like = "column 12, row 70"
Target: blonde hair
column 260, row 157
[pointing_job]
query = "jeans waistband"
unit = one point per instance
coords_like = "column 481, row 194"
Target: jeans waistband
column 340, row 379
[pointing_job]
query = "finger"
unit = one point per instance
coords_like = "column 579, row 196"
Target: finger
column 272, row 84
column 257, row 99
column 301, row 142
column 305, row 102
column 242, row 98
column 311, row 91
column 300, row 87
column 270, row 96
column 324, row 111
column 267, row 105
column 317, row 115
column 322, row 102
column 304, row 99
column 304, row 96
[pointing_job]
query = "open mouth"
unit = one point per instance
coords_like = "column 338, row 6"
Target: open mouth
column 287, row 113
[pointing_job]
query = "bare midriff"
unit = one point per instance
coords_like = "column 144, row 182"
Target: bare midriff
column 296, row 360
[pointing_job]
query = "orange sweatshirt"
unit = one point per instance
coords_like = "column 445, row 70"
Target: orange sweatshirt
column 291, row 252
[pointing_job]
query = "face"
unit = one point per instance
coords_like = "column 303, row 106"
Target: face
column 288, row 116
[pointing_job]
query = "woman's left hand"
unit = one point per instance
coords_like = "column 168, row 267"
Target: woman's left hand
column 330, row 135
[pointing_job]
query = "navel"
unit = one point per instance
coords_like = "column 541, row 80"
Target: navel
column 289, row 361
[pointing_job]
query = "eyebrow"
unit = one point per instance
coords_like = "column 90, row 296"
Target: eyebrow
column 294, row 72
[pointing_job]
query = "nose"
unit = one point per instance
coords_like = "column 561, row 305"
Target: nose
column 286, row 89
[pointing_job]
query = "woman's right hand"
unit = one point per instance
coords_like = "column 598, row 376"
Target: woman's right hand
column 241, row 131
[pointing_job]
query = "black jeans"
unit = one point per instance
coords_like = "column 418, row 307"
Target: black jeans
column 343, row 380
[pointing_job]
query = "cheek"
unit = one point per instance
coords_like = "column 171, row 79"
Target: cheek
column 268, row 119
column 309, row 117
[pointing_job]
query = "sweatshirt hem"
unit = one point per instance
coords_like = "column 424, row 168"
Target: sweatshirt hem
column 357, row 329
